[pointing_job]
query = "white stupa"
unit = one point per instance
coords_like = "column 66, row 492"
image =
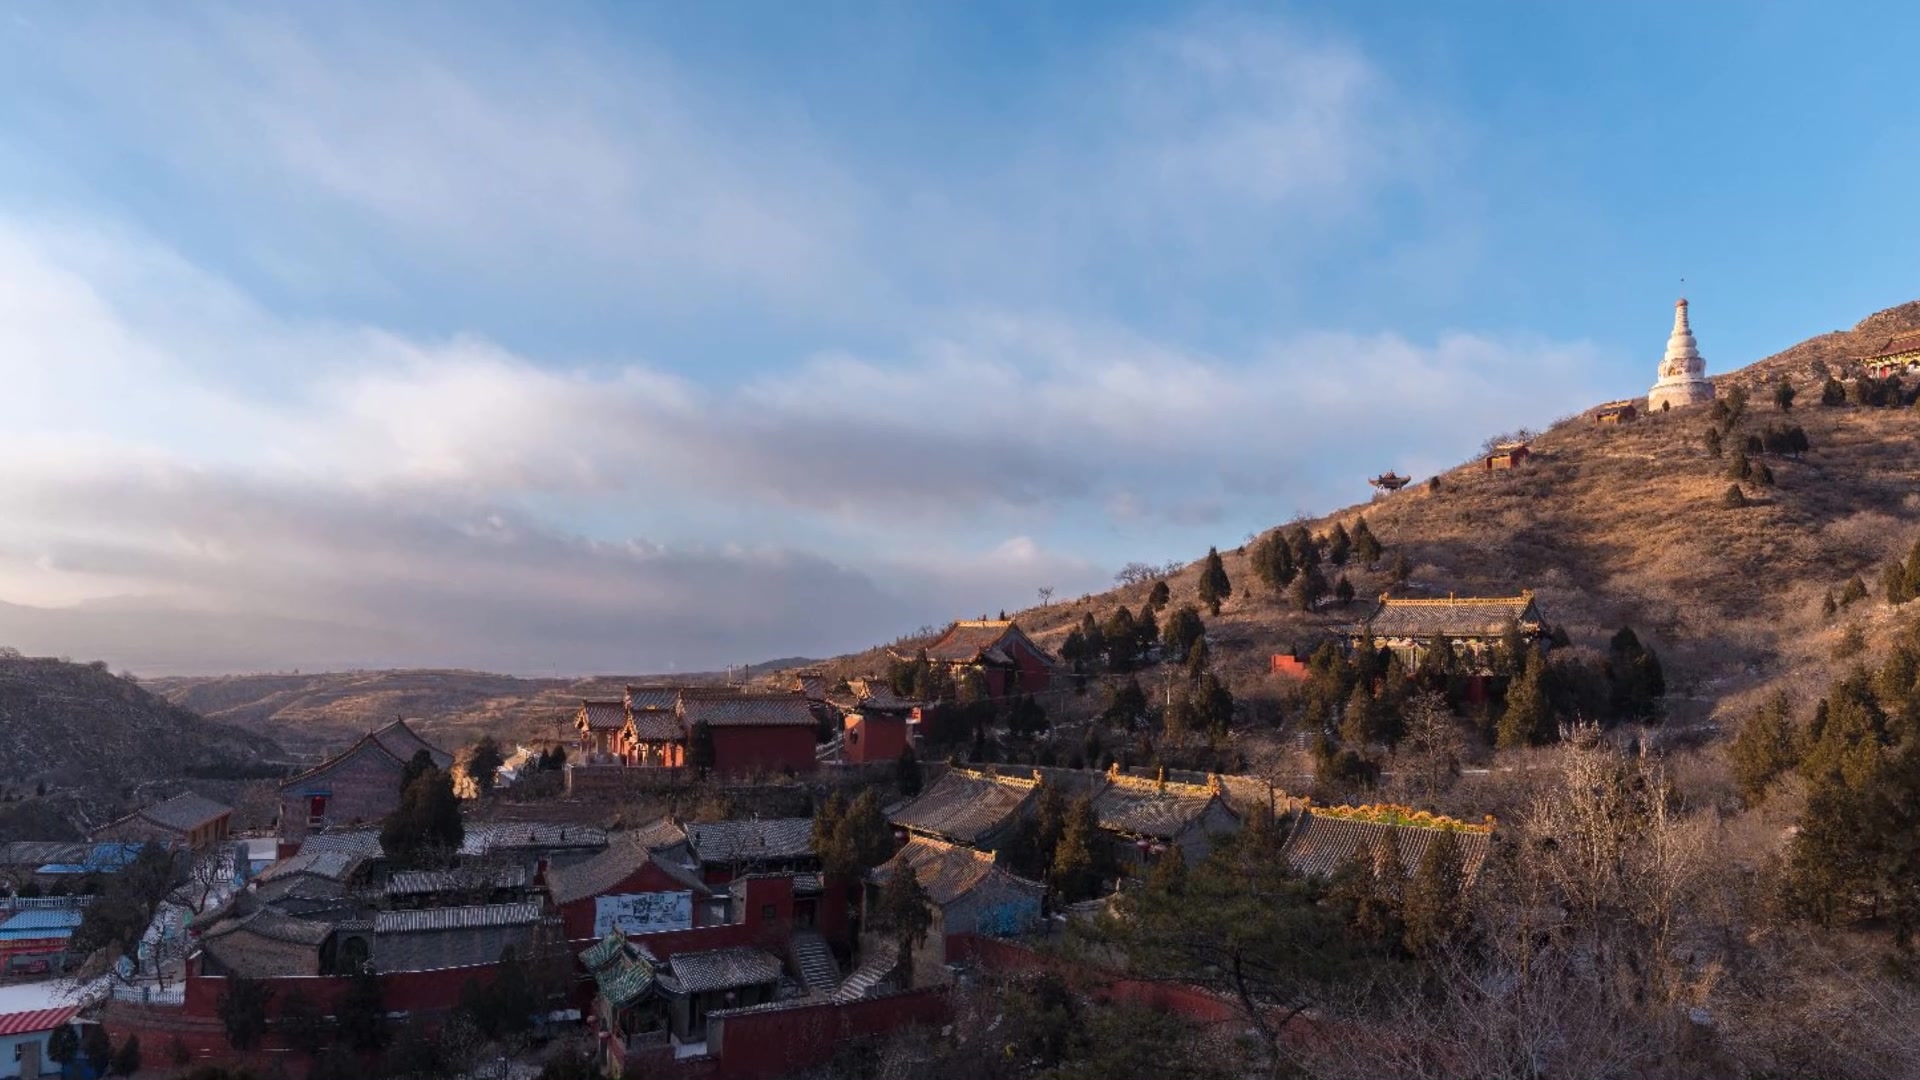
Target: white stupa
column 1683, row 374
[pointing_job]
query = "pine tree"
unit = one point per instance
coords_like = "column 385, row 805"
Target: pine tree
column 906, row 772
column 97, row 1047
column 63, row 1045
column 483, row 763
column 1783, row 395
column 1714, row 446
column 1402, row 570
column 1073, row 874
column 1272, row 560
column 1343, row 591
column 700, row 752
column 1833, row 393
column 1436, row 911
column 1528, row 719
column 1123, row 640
column 1367, row 889
column 1911, row 571
column 1146, row 631
column 1357, row 725
column 1734, row 499
column 1636, row 677
column 426, row 826
column 1198, row 660
column 362, row 1013
column 1339, row 545
column 1828, row 606
column 904, row 912
column 417, row 766
column 1160, row 595
column 1765, row 748
column 1308, row 588
column 1183, row 628
column 1214, row 586
column 1365, row 547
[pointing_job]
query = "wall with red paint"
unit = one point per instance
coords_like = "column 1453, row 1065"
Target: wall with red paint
column 749, row 1044
column 870, row 739
column 763, row 749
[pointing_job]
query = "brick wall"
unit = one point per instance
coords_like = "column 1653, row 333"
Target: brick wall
column 738, row 750
column 747, row 1044
column 363, row 786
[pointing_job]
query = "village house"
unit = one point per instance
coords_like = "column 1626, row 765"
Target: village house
column 29, row 1015
column 973, row 807
column 34, row 934
column 360, row 784
column 633, row 888
column 1008, row 661
column 1474, row 628
column 1146, row 817
column 184, row 821
column 969, row 894
column 645, row 1001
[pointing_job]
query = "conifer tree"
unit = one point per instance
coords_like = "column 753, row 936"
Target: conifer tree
column 1765, row 748
column 1435, row 911
column 1828, row 606
column 1367, row 889
column 1198, row 660
column 1182, row 630
column 1146, row 631
column 1833, row 393
column 1714, row 445
column 1366, row 547
column 1095, row 638
column 1074, row 875
column 1638, row 681
column 362, row 1015
column 1215, row 588
column 1123, row 640
column 1357, row 725
column 1343, row 591
column 1308, row 588
column 906, row 772
column 1783, row 395
column 1402, row 570
column 1339, row 545
column 63, row 1045
column 1528, row 719
column 1272, row 560
column 1855, row 590
column 1910, row 572
column 1734, row 499
column 1160, row 595
column 904, row 912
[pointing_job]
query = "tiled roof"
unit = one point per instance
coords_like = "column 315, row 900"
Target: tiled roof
column 966, row 806
column 472, row 917
column 878, row 695
column 34, row 1021
column 947, row 871
column 605, row 951
column 364, row 843
column 333, row 865
column 654, row 725
column 491, row 836
column 724, row 969
column 403, row 742
column 810, row 685
column 1465, row 616
column 658, row 835
column 723, row 708
column 967, row 641
column 626, row 854
column 1147, row 808
column 766, row 839
column 182, row 813
column 641, row 698
column 603, row 715
column 626, row 980
column 425, row 882
column 1322, row 843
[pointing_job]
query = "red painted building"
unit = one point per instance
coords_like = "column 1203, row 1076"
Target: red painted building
column 1006, row 658
column 872, row 737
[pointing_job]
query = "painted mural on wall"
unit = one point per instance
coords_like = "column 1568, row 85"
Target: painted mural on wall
column 643, row 913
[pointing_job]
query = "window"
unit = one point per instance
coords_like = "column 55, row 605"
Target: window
column 317, row 811
column 769, row 912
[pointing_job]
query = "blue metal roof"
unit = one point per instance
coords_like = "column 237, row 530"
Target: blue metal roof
column 101, row 859
column 39, row 924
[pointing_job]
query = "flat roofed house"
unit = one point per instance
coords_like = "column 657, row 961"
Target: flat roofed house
column 1007, row 659
column 29, row 1015
column 1473, row 627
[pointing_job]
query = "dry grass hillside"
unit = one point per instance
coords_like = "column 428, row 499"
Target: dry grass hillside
column 1614, row 526
column 315, row 714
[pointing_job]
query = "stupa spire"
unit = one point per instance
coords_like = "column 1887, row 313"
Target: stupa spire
column 1683, row 372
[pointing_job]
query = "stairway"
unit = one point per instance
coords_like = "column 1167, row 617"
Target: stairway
column 866, row 976
column 814, row 961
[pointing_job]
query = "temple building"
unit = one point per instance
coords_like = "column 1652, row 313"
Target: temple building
column 1472, row 626
column 1683, row 374
column 1008, row 661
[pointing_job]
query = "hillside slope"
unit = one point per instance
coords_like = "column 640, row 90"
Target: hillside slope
column 1614, row 526
column 318, row 713
column 78, row 726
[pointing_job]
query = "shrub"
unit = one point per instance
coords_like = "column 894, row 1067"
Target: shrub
column 1734, row 499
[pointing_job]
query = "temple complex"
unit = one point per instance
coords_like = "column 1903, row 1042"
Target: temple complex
column 1683, row 374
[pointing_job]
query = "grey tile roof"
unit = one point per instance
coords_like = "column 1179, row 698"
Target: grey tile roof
column 947, row 871
column 333, row 865
column 722, row 708
column 1321, row 843
column 185, row 812
column 657, row 835
column 362, row 842
column 41, row 852
column 486, row 837
column 652, row 697
column 968, row 641
column 725, row 969
column 762, row 840
column 624, row 857
column 400, row 740
column 1148, row 808
column 1464, row 616
column 966, row 806
column 878, row 696
column 471, row 917
column 602, row 715
column 267, row 944
column 425, row 882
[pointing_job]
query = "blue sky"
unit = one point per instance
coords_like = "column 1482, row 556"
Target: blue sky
column 622, row 337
